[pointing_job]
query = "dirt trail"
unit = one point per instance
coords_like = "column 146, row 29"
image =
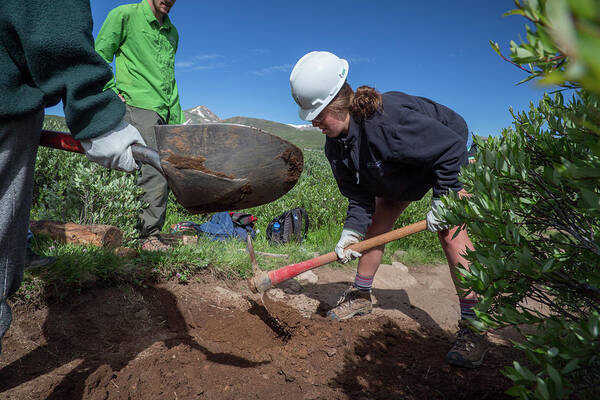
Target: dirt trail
column 210, row 340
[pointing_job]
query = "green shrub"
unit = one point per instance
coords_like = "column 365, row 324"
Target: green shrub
column 68, row 187
column 536, row 210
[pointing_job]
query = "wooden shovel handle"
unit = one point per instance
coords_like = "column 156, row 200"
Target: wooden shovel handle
column 389, row 236
column 289, row 271
column 60, row 141
column 64, row 141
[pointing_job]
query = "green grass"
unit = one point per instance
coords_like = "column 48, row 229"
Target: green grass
column 80, row 267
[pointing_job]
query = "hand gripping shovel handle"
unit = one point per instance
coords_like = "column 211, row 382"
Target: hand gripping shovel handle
column 266, row 280
column 64, row 141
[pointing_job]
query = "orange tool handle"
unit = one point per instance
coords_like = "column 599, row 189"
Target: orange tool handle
column 262, row 283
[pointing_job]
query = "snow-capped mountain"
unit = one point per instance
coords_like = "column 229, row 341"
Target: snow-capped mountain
column 200, row 115
column 305, row 127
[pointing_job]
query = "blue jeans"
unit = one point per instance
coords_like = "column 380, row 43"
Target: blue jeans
column 19, row 140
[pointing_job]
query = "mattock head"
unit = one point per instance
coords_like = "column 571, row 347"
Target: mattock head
column 260, row 281
column 250, row 248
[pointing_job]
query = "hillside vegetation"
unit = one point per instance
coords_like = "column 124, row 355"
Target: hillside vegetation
column 305, row 139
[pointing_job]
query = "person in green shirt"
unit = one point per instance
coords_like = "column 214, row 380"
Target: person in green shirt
column 44, row 61
column 142, row 41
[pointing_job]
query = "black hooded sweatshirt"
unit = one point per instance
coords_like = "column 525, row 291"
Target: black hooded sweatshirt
column 412, row 145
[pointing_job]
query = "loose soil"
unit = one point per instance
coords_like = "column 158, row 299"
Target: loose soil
column 212, row 339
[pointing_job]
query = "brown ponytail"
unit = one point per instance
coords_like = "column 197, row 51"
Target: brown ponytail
column 364, row 103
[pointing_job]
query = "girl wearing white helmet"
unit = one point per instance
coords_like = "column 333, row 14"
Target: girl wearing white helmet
column 386, row 150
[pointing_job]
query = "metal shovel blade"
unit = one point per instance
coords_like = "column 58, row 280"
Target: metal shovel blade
column 222, row 167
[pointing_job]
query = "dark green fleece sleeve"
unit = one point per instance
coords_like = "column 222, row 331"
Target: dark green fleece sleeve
column 51, row 47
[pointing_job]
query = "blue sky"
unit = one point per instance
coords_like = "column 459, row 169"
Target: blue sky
column 235, row 57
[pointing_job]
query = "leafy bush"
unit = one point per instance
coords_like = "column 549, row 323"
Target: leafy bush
column 536, row 210
column 68, row 187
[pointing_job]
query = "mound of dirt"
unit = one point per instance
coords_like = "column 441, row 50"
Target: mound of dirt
column 178, row 341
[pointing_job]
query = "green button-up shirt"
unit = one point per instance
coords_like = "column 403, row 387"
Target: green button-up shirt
column 144, row 52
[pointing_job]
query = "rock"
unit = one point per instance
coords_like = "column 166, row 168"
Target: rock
column 226, row 297
column 393, row 277
column 399, row 254
column 400, row 266
column 307, row 277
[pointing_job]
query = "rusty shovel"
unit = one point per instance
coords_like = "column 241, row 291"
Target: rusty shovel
column 213, row 167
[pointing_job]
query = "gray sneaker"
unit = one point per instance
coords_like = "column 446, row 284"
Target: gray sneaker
column 353, row 302
column 469, row 349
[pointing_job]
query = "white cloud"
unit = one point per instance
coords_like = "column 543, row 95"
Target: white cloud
column 204, row 57
column 198, row 63
column 273, row 69
column 205, row 67
column 184, row 64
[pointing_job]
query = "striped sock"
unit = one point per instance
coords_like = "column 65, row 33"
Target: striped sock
column 466, row 308
column 364, row 283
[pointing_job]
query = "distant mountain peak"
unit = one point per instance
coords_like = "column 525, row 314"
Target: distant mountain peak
column 200, row 115
column 305, row 127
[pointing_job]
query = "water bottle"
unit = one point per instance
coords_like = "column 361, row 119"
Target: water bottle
column 276, row 227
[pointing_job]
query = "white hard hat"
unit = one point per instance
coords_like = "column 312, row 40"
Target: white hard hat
column 315, row 80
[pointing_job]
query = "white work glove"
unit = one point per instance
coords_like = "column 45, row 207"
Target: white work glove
column 435, row 224
column 112, row 149
column 347, row 238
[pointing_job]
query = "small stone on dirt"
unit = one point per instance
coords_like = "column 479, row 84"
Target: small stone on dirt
column 226, row 297
column 400, row 266
column 393, row 276
column 308, row 277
